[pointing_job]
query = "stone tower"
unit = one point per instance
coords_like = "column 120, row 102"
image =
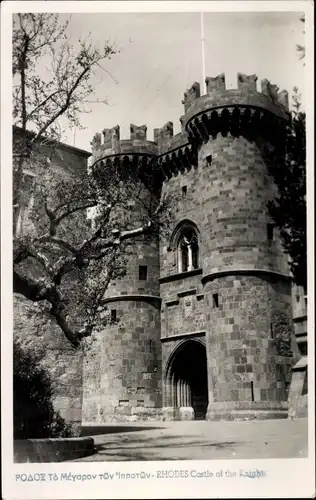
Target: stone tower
column 234, row 301
column 207, row 333
column 122, row 371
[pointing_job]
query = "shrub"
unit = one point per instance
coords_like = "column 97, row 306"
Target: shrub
column 33, row 410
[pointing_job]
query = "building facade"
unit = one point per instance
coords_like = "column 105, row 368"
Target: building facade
column 32, row 327
column 203, row 317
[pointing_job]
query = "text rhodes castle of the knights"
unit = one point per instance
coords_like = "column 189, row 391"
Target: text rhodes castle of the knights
column 204, row 316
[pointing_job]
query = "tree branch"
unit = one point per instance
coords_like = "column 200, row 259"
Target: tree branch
column 42, row 104
column 37, row 291
column 57, row 241
column 63, row 108
column 30, row 288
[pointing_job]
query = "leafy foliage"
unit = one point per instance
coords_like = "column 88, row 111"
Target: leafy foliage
column 288, row 210
column 59, row 259
column 34, row 414
column 66, row 263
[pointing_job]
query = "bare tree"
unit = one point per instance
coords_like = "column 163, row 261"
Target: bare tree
column 59, row 261
column 52, row 81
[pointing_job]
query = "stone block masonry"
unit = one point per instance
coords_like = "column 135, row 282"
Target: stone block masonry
column 122, row 369
column 248, row 347
column 52, row 450
column 231, row 306
column 201, row 322
column 38, row 333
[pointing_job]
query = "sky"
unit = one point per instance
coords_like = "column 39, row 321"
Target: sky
column 160, row 57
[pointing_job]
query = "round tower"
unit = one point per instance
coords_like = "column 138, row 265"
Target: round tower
column 122, row 370
column 245, row 277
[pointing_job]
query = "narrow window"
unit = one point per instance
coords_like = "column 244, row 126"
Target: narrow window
column 184, row 190
column 113, row 315
column 142, row 273
column 271, row 331
column 270, row 233
column 195, row 253
column 215, row 300
column 252, row 392
column 188, row 251
column 184, row 257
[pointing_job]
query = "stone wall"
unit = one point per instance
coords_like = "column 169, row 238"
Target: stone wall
column 248, row 345
column 235, row 190
column 32, row 326
column 183, row 308
column 240, row 295
column 52, row 450
column 39, row 333
column 122, row 367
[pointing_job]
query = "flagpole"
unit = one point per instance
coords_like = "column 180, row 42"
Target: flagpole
column 203, row 53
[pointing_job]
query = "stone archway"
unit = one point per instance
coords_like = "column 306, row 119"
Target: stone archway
column 187, row 380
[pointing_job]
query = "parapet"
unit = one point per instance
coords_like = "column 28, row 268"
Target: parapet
column 216, row 83
column 112, row 144
column 247, row 81
column 153, row 156
column 194, row 92
column 245, row 94
column 242, row 110
column 165, row 139
column 138, row 133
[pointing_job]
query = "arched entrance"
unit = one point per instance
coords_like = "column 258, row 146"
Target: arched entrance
column 187, row 378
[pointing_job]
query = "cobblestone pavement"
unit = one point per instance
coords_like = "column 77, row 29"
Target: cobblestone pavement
column 199, row 440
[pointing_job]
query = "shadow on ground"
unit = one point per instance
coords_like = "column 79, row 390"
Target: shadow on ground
column 275, row 439
column 111, row 429
column 136, row 448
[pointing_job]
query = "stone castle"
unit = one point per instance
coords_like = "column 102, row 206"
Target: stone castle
column 203, row 319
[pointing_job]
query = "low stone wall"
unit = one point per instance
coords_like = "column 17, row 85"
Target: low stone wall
column 300, row 408
column 128, row 414
column 52, row 450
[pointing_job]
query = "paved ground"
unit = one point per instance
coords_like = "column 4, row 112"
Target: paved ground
column 199, row 440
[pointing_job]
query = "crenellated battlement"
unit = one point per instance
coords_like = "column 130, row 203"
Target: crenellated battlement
column 109, row 142
column 240, row 111
column 194, row 92
column 245, row 93
column 112, row 144
column 215, row 83
column 166, row 140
